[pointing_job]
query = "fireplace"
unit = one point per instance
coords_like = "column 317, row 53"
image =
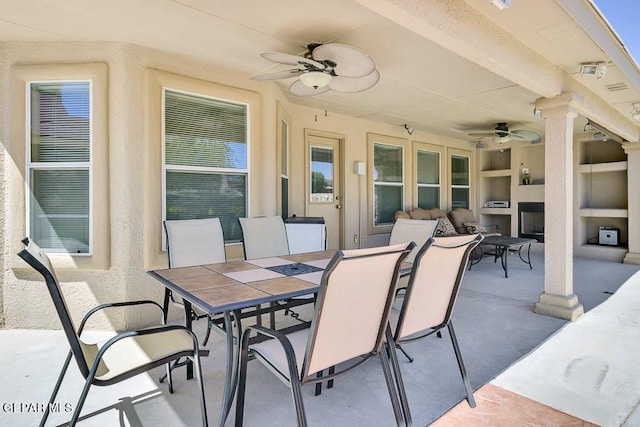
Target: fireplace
column 531, row 220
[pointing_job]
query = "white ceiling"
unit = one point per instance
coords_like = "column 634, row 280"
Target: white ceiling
column 422, row 83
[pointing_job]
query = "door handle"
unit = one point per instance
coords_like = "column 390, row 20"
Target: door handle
column 338, row 206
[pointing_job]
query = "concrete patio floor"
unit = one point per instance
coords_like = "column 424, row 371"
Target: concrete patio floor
column 527, row 369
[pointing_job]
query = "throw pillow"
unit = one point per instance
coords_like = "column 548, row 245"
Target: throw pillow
column 475, row 228
column 444, row 228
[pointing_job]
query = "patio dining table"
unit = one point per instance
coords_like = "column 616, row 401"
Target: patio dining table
column 231, row 287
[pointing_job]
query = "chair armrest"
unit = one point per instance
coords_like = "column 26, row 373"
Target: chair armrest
column 282, row 339
column 147, row 331
column 112, row 305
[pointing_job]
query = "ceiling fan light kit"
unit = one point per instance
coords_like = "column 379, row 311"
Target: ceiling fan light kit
column 315, row 79
column 324, row 67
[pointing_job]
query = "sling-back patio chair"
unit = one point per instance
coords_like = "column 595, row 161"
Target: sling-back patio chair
column 412, row 230
column 265, row 237
column 408, row 230
column 363, row 278
column 431, row 295
column 194, row 242
column 123, row 356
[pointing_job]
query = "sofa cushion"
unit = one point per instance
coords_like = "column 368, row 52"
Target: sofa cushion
column 459, row 216
column 475, row 228
column 437, row 213
column 419, row 213
column 444, row 228
column 400, row 214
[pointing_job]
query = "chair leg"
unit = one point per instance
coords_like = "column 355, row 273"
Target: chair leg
column 209, row 326
column 198, row 372
column 81, row 400
column 332, row 370
column 56, row 388
column 398, row 411
column 165, row 316
column 395, row 366
column 242, row 379
column 296, row 392
column 407, row 355
column 463, row 371
column 318, row 390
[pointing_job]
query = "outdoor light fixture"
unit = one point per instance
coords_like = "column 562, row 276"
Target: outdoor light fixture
column 501, row 4
column 598, row 70
column 315, row 79
column 635, row 112
column 410, row 130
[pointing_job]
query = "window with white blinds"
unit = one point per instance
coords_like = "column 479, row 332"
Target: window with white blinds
column 460, row 181
column 388, row 182
column 59, row 165
column 205, row 160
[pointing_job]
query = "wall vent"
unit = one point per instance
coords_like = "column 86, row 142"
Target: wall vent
column 616, row 87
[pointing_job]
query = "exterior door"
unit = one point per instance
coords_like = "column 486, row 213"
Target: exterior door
column 324, row 185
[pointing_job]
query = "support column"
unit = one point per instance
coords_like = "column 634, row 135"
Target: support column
column 633, row 207
column 558, row 299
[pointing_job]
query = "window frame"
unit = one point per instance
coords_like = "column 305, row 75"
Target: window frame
column 31, row 166
column 283, row 172
column 431, row 148
column 201, row 169
column 403, row 144
column 469, row 155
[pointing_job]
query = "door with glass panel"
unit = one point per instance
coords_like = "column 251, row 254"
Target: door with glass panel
column 323, row 185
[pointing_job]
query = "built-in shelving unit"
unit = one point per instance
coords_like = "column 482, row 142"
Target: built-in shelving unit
column 495, row 185
column 602, row 197
column 600, row 187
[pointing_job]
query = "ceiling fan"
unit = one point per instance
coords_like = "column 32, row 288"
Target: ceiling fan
column 324, row 67
column 501, row 134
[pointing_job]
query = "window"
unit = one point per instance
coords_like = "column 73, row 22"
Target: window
column 460, row 181
column 322, row 173
column 59, row 165
column 388, row 182
column 205, row 160
column 428, row 179
column 284, row 168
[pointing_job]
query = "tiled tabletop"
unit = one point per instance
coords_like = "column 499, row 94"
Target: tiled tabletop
column 238, row 284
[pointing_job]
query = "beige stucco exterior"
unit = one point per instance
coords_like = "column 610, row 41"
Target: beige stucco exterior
column 126, row 190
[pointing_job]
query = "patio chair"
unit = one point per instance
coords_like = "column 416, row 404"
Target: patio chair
column 264, row 237
column 123, row 356
column 194, row 242
column 363, row 278
column 431, row 295
column 408, row 230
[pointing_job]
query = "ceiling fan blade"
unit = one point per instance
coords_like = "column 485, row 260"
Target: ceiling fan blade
column 354, row 84
column 297, row 88
column 482, row 134
column 278, row 75
column 526, row 135
column 286, row 58
column 350, row 61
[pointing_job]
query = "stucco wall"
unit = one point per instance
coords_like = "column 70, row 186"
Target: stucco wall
column 127, row 190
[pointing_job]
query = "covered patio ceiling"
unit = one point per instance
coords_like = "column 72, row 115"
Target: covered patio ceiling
column 432, row 78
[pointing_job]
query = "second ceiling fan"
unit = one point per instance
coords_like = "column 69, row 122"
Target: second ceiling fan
column 501, row 134
column 325, row 67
